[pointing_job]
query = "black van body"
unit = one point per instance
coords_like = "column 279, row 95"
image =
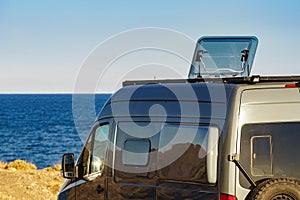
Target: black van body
column 139, row 123
column 221, row 134
column 176, row 107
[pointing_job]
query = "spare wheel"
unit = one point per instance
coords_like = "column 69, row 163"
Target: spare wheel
column 277, row 189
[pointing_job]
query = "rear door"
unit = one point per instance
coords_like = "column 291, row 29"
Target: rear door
column 269, row 135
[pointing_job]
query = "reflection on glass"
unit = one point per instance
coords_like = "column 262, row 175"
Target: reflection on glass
column 177, row 151
column 99, row 149
column 182, row 152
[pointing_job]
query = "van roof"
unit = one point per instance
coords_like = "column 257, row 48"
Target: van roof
column 173, row 92
column 175, row 100
column 212, row 96
column 234, row 80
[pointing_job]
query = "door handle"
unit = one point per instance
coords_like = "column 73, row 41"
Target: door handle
column 99, row 189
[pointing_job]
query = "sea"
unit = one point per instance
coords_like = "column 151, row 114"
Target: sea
column 40, row 128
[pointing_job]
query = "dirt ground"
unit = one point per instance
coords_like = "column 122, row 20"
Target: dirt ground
column 20, row 183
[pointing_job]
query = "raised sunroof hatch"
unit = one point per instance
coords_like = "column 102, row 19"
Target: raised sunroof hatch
column 223, row 56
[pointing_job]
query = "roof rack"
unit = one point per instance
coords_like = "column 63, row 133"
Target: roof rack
column 235, row 80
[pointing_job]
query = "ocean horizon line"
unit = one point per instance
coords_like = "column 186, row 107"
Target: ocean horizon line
column 71, row 93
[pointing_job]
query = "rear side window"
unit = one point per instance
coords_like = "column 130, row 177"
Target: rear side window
column 270, row 150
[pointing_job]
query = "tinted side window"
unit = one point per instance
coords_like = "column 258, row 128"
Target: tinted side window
column 182, row 153
column 169, row 151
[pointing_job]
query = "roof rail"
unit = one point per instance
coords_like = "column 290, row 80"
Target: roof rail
column 234, row 80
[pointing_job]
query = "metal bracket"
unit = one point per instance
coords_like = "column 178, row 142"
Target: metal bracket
column 236, row 159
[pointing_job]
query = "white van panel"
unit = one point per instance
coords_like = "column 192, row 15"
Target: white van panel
column 270, row 95
column 270, row 105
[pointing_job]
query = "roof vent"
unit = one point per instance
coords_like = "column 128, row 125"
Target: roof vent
column 223, row 57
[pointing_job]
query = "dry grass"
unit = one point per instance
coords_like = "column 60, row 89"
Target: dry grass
column 18, row 165
column 26, row 166
column 22, row 180
column 56, row 167
column 54, row 185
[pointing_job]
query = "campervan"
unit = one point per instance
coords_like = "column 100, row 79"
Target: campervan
column 222, row 133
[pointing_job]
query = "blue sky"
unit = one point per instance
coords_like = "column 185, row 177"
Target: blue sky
column 44, row 43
